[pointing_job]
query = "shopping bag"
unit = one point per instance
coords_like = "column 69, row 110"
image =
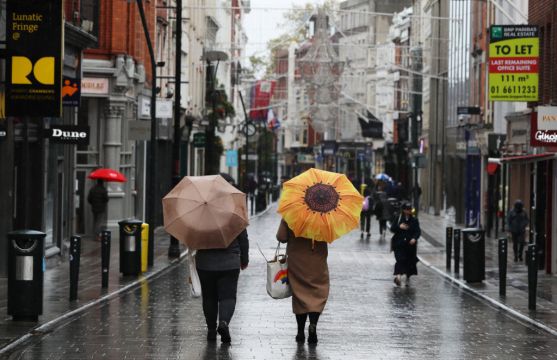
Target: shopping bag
column 194, row 276
column 278, row 286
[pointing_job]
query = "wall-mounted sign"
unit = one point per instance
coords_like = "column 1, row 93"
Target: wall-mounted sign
column 468, row 110
column 543, row 127
column 163, row 108
column 513, row 63
column 69, row 134
column 33, row 58
column 199, row 139
column 94, row 86
column 71, row 94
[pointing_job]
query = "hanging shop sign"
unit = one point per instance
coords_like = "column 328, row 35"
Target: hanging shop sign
column 199, row 139
column 543, row 127
column 70, row 92
column 33, row 58
column 513, row 63
column 69, row 134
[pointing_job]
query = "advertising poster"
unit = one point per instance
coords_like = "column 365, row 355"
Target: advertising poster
column 513, row 63
column 34, row 58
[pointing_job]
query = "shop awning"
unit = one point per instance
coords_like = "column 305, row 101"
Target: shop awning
column 528, row 158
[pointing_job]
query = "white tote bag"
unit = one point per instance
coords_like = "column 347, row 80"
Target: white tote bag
column 278, row 286
column 194, row 277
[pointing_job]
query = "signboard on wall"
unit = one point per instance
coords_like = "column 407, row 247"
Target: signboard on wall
column 69, row 134
column 543, row 127
column 33, row 58
column 513, row 63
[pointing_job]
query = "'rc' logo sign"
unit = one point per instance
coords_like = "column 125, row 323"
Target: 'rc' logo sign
column 43, row 70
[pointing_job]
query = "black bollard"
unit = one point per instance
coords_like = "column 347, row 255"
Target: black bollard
column 252, row 203
column 456, row 242
column 532, row 258
column 75, row 257
column 105, row 256
column 503, row 266
column 449, row 246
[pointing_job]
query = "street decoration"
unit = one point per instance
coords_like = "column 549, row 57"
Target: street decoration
column 33, row 58
column 320, row 205
column 513, row 63
column 205, row 212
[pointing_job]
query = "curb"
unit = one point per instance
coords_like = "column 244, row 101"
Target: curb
column 50, row 325
column 497, row 304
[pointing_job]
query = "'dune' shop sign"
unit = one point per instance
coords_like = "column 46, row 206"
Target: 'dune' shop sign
column 34, row 58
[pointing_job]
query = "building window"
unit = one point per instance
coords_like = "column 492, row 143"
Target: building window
column 90, row 16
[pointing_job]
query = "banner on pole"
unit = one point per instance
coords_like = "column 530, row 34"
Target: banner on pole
column 34, row 58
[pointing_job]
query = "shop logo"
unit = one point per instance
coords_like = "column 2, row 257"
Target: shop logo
column 69, row 134
column 496, row 32
column 43, row 70
column 542, row 136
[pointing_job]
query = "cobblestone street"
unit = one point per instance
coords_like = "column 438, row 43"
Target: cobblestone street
column 366, row 317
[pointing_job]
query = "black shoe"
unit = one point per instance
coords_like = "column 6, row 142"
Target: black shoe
column 224, row 332
column 300, row 337
column 312, row 334
column 212, row 335
column 397, row 280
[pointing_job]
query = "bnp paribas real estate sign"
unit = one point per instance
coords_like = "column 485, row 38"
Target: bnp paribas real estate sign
column 514, row 52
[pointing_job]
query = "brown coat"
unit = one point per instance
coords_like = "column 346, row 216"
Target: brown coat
column 308, row 273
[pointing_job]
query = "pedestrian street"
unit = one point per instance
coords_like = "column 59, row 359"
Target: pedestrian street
column 366, row 317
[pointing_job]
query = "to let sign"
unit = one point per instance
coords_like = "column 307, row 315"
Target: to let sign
column 513, row 63
column 33, row 58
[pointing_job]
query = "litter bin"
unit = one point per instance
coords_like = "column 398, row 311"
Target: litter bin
column 25, row 274
column 130, row 246
column 473, row 255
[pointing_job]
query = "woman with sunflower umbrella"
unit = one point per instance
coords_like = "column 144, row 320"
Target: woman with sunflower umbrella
column 317, row 208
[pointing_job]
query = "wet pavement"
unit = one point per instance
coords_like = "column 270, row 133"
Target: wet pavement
column 366, row 317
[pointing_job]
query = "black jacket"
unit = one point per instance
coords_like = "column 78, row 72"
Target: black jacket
column 98, row 198
column 236, row 254
column 402, row 237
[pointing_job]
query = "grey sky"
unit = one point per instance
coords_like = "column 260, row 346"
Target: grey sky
column 262, row 25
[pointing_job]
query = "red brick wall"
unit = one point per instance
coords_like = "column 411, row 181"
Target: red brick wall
column 542, row 13
column 121, row 32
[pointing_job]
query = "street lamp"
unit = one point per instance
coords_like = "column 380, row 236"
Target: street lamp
column 151, row 185
column 209, row 57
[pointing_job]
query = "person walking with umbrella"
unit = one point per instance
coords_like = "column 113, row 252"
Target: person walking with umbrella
column 98, row 199
column 208, row 214
column 317, row 207
column 406, row 229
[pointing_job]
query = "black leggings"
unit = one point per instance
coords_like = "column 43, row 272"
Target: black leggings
column 218, row 290
column 382, row 226
column 301, row 320
column 365, row 221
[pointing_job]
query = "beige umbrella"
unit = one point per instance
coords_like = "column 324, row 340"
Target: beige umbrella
column 205, row 212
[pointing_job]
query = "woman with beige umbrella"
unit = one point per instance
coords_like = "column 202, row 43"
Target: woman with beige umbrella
column 317, row 207
column 208, row 214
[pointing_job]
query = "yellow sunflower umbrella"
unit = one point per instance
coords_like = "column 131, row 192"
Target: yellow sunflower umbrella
column 320, row 205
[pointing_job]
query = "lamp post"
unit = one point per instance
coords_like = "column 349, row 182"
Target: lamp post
column 209, row 57
column 174, row 247
column 151, row 185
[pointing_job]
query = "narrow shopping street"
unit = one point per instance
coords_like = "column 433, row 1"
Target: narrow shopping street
column 366, row 317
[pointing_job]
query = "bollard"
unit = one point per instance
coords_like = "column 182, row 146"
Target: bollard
column 456, row 242
column 252, row 203
column 105, row 256
column 503, row 266
column 532, row 258
column 145, row 245
column 449, row 246
column 75, row 257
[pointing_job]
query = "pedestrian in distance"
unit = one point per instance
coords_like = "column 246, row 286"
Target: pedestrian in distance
column 517, row 223
column 382, row 210
column 308, row 275
column 219, row 271
column 98, row 199
column 367, row 209
column 406, row 229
